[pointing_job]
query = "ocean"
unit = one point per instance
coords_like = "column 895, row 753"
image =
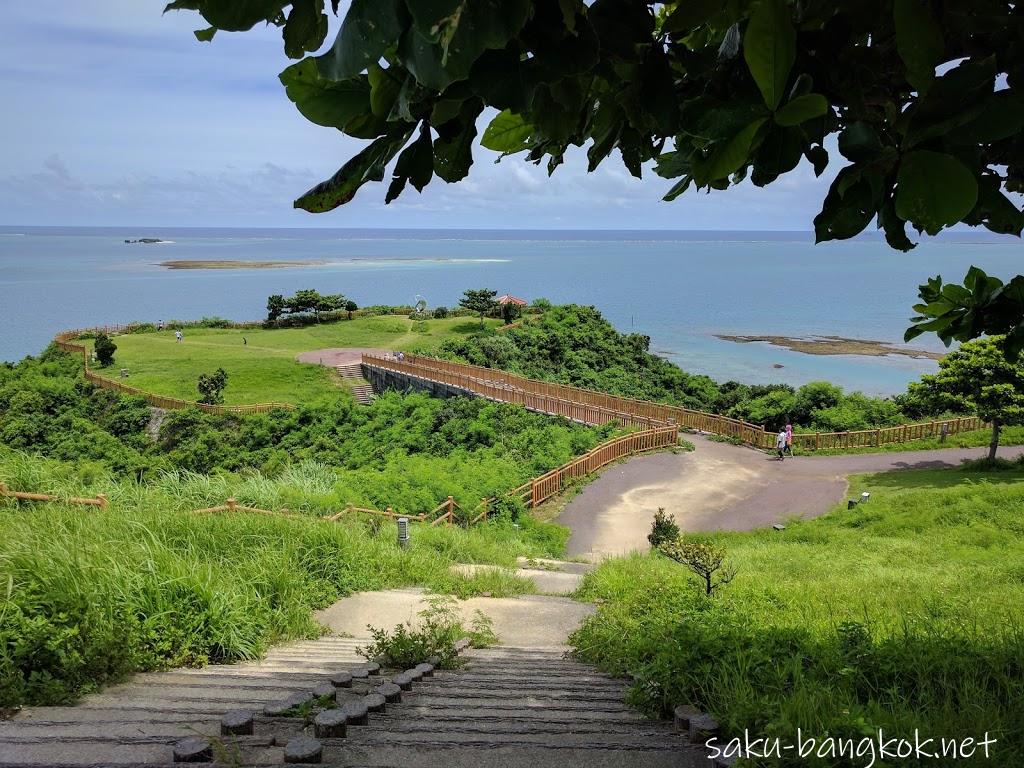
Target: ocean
column 680, row 288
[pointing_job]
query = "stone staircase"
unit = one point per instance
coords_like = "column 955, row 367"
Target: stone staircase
column 352, row 375
column 507, row 707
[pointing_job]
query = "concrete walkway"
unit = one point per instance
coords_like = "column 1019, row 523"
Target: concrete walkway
column 720, row 486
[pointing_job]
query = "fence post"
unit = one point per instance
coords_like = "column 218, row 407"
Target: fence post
column 451, row 505
column 102, row 499
column 231, row 504
column 388, row 512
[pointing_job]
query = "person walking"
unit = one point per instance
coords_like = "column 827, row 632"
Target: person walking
column 178, row 336
column 789, row 439
column 780, row 444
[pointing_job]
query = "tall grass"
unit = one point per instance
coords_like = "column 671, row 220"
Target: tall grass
column 88, row 595
column 903, row 613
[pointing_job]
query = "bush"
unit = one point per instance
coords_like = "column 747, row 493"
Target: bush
column 434, row 637
column 211, row 387
column 105, row 349
column 440, row 312
column 664, row 528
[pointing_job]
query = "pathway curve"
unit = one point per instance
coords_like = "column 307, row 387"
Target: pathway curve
column 720, row 486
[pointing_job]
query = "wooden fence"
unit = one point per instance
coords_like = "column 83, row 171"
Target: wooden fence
column 99, row 500
column 593, row 407
column 67, row 341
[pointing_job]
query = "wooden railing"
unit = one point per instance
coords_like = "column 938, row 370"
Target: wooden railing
column 67, row 341
column 593, row 407
column 99, row 500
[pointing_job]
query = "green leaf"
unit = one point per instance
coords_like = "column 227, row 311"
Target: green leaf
column 366, row 166
column 453, row 148
column 801, row 109
column 769, row 48
column 918, row 41
column 727, row 157
column 205, row 35
column 859, row 143
column 233, row 15
column 507, row 133
column 691, row 14
column 385, row 86
column 934, row 190
column 327, row 102
column 369, row 29
column 415, row 165
column 305, row 29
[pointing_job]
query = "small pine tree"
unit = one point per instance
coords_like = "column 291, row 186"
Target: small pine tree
column 211, row 387
column 105, row 349
column 664, row 528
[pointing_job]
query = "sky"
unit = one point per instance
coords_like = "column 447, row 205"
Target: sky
column 116, row 115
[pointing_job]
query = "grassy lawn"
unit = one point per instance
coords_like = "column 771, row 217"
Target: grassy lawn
column 902, row 613
column 264, row 369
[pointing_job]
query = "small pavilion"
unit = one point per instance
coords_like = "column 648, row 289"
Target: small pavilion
column 510, row 299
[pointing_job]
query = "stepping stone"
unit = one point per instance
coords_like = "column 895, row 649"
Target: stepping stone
column 392, row 693
column 403, row 681
column 303, row 749
column 330, row 724
column 237, row 722
column 372, row 667
column 462, row 644
column 374, row 702
column 702, row 728
column 415, row 674
column 326, row 690
column 426, row 669
column 434, row 660
column 282, row 707
column 356, row 713
column 341, row 680
column 360, row 673
column 683, row 713
column 193, row 750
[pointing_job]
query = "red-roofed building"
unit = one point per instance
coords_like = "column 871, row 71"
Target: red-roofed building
column 510, row 299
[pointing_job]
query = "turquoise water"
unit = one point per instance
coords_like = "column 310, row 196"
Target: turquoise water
column 679, row 288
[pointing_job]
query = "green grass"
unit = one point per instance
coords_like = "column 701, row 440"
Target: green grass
column 902, row 613
column 978, row 438
column 90, row 595
column 265, row 369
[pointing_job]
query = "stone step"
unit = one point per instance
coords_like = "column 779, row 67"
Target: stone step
column 563, row 566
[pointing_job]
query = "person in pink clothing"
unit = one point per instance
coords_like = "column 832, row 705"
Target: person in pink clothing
column 789, row 439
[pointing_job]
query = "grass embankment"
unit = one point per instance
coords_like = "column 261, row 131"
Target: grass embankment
column 90, row 595
column 903, row 613
column 264, row 369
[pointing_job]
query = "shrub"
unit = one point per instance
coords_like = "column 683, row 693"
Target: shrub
column 703, row 558
column 105, row 349
column 664, row 528
column 211, row 386
column 439, row 627
column 440, row 312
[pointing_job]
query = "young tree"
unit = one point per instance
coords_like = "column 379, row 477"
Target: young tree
column 703, row 559
column 663, row 529
column 105, row 349
column 211, row 387
column 276, row 307
column 977, row 378
column 350, row 307
column 480, row 301
column 509, row 313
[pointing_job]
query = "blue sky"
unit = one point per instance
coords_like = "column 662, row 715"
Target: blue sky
column 116, row 115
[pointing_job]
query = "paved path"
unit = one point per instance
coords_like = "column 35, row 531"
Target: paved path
column 332, row 357
column 720, row 486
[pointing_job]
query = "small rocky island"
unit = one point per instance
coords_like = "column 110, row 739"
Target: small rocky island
column 835, row 345
column 145, row 241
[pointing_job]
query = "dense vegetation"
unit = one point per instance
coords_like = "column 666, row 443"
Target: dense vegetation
column 407, row 451
column 90, row 597
column 575, row 345
column 918, row 623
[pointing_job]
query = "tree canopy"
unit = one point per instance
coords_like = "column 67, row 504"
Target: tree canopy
column 977, row 377
column 920, row 96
